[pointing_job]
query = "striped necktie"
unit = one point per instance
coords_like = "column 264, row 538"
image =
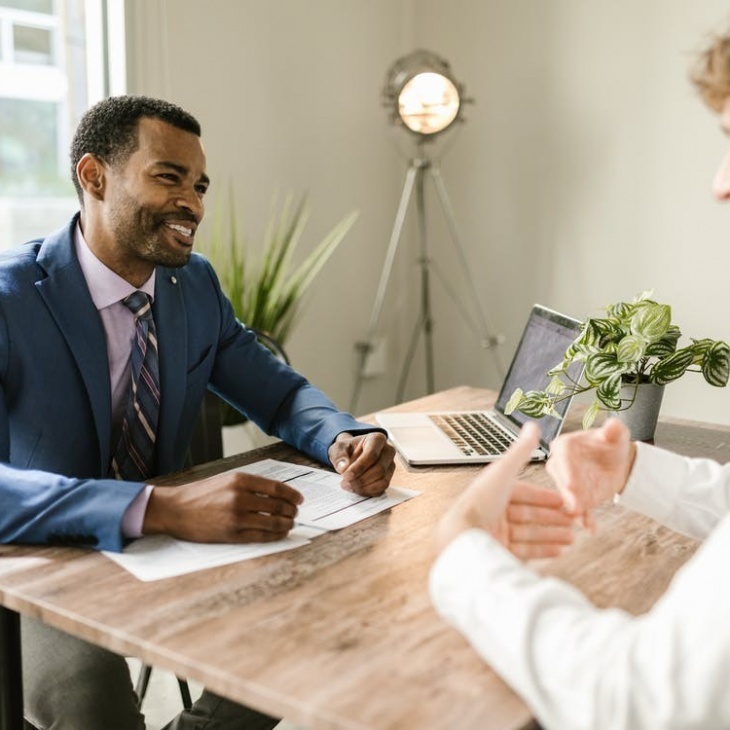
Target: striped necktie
column 134, row 457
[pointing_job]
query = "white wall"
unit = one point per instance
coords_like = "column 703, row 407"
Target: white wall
column 580, row 177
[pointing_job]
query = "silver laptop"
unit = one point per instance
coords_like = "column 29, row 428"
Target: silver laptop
column 476, row 437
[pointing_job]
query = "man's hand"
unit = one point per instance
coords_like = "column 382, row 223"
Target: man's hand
column 528, row 520
column 366, row 462
column 233, row 508
column 590, row 467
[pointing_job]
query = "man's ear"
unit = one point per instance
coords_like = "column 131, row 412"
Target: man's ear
column 91, row 172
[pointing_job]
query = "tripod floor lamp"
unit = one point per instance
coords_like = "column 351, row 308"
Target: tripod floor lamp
column 423, row 98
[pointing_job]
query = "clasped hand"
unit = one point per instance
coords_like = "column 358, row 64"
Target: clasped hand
column 588, row 467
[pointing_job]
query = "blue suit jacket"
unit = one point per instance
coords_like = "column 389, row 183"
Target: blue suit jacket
column 55, row 399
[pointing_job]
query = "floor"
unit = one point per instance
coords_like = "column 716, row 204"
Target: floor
column 162, row 701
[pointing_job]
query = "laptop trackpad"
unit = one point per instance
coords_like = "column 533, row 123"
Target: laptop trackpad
column 422, row 442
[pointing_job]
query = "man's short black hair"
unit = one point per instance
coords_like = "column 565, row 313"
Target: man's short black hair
column 108, row 130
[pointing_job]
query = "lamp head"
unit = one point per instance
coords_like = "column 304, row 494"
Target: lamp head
column 422, row 94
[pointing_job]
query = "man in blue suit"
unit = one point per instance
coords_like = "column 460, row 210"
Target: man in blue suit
column 66, row 340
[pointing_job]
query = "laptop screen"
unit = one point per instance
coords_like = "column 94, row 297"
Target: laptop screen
column 544, row 341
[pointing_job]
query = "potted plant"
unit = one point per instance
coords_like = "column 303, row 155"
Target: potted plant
column 264, row 285
column 632, row 350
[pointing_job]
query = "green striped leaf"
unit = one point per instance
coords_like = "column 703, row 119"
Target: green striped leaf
column 716, row 365
column 651, row 320
column 672, row 367
column 535, row 404
column 609, row 392
column 555, row 386
column 602, row 365
column 590, row 336
column 666, row 345
column 620, row 310
column 591, row 412
column 513, row 403
column 631, row 349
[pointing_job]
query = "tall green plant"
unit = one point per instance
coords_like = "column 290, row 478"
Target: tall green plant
column 262, row 280
column 263, row 283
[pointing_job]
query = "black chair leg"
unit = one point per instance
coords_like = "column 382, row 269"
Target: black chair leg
column 187, row 700
column 143, row 681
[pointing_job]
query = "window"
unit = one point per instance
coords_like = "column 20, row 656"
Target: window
column 54, row 63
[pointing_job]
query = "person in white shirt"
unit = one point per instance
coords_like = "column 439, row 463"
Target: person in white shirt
column 578, row 666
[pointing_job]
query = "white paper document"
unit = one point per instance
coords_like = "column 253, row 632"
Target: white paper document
column 326, row 507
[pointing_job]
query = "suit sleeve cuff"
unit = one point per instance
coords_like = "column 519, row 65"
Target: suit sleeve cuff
column 133, row 518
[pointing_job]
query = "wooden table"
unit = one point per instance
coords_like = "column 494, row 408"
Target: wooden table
column 341, row 634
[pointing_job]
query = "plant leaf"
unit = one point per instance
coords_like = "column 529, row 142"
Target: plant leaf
column 672, row 367
column 666, row 345
column 601, row 366
column 609, row 392
column 716, row 365
column 514, row 401
column 631, row 349
column 266, row 292
column 591, row 412
column 651, row 320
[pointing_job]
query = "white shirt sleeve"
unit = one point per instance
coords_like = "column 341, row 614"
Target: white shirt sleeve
column 577, row 666
column 687, row 495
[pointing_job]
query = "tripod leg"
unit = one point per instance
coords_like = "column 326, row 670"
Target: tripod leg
column 427, row 318
column 420, row 325
column 490, row 340
column 414, row 169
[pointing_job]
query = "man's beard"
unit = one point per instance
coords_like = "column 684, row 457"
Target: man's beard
column 143, row 235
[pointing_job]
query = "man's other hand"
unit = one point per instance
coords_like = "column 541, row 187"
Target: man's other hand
column 366, row 462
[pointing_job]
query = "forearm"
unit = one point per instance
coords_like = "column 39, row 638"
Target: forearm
column 580, row 667
column 530, row 630
column 687, row 495
column 43, row 508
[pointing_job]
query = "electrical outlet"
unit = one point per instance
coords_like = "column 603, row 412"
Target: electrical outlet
column 376, row 359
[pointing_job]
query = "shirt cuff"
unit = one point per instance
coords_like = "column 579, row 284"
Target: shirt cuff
column 133, row 518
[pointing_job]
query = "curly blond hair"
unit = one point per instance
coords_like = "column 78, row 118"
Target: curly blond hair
column 711, row 74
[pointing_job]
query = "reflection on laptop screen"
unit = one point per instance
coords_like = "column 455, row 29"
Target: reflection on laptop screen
column 548, row 334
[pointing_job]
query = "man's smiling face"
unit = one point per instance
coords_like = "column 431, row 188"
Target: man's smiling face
column 153, row 201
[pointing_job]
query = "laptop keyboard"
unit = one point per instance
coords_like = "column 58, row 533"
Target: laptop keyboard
column 474, row 434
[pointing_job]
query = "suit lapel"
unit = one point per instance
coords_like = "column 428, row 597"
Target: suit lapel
column 169, row 314
column 67, row 297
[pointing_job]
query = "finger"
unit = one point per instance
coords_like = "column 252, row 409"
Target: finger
column 532, row 515
column 340, row 452
column 265, row 505
column 561, row 471
column 540, row 534
column 494, row 483
column 526, row 493
column 372, row 482
column 366, row 453
column 505, row 470
column 614, row 430
column 264, row 523
column 267, row 487
column 531, row 551
column 379, row 487
column 373, row 489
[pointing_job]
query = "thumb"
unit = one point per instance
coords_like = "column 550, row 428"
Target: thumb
column 493, row 485
column 518, row 455
column 340, row 455
column 613, row 431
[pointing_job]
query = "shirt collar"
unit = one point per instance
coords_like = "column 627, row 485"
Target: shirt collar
column 105, row 286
